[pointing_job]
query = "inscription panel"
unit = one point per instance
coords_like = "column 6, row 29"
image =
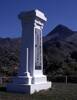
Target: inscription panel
column 37, row 49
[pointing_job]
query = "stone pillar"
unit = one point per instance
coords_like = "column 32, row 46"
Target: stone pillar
column 30, row 74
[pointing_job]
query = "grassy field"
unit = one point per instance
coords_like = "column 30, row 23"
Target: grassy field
column 59, row 91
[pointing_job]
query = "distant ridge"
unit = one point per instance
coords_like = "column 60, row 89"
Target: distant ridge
column 60, row 51
column 60, row 32
column 59, row 47
column 61, row 29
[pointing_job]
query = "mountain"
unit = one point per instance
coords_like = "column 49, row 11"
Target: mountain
column 60, row 52
column 60, row 32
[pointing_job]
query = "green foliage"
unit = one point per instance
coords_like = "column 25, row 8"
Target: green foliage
column 74, row 55
column 59, row 59
column 9, row 56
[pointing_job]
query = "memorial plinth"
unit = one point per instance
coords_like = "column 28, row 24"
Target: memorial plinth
column 30, row 76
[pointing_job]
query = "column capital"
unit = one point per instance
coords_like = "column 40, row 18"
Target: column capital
column 34, row 14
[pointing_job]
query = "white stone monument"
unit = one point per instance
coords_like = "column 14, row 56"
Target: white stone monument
column 30, row 76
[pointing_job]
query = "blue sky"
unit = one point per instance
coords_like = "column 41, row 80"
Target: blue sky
column 57, row 11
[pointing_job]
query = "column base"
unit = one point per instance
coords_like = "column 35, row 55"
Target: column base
column 28, row 89
column 22, row 85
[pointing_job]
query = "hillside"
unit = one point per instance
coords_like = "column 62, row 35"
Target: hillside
column 9, row 55
column 60, row 53
column 60, row 32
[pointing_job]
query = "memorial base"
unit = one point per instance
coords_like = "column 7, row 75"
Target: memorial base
column 29, row 89
column 41, row 84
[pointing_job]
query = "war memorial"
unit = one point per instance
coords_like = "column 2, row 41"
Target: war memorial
column 30, row 76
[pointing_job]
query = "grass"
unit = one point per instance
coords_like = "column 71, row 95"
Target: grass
column 59, row 91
